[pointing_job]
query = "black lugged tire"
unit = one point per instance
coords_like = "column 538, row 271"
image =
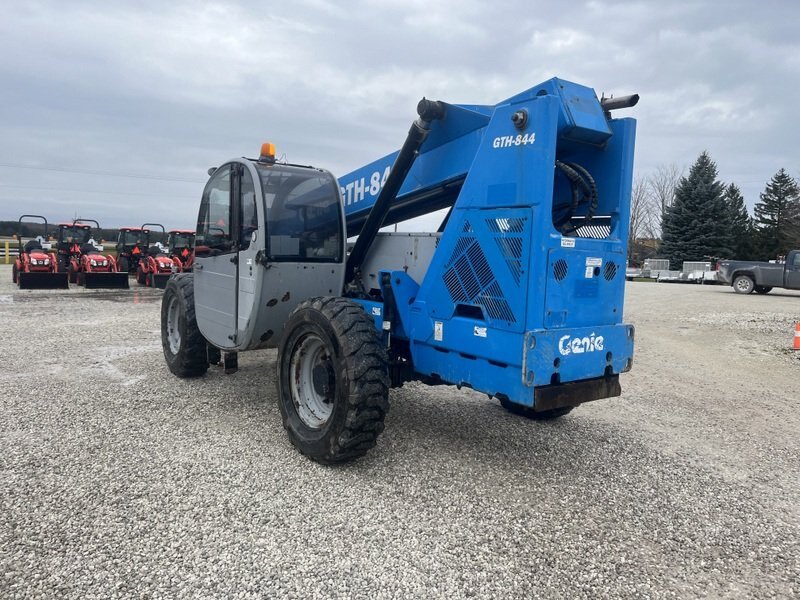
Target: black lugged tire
column 763, row 289
column 188, row 357
column 124, row 265
column 15, row 273
column 529, row 413
column 354, row 365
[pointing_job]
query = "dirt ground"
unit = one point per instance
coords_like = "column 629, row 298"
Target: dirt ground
column 119, row 480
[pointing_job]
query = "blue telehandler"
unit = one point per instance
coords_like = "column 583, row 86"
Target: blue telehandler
column 518, row 295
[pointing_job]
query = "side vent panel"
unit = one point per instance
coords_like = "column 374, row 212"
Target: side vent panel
column 487, row 266
column 560, row 269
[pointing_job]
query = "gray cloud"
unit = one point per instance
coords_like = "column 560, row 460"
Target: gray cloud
column 167, row 90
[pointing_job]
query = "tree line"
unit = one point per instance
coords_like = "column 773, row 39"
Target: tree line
column 697, row 217
column 32, row 229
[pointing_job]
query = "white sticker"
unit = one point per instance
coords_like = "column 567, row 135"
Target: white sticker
column 594, row 262
column 567, row 242
column 376, row 311
column 438, row 331
column 479, row 331
column 589, row 272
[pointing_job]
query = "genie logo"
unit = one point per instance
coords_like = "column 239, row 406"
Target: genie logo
column 569, row 345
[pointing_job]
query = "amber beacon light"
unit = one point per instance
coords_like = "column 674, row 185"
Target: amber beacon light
column 267, row 152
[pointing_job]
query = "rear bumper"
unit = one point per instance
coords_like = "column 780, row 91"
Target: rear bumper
column 548, row 397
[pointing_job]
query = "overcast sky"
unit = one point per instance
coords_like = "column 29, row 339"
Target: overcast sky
column 156, row 92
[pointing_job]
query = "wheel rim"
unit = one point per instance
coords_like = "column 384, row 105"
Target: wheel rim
column 743, row 284
column 173, row 329
column 313, row 381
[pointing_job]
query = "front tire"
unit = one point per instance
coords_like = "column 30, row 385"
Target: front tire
column 743, row 284
column 140, row 276
column 333, row 380
column 15, row 273
column 184, row 346
column 763, row 289
column 124, row 265
column 529, row 413
column 73, row 274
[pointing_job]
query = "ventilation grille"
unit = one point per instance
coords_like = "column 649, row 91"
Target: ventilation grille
column 470, row 280
column 560, row 269
column 594, row 232
column 506, row 225
column 610, row 271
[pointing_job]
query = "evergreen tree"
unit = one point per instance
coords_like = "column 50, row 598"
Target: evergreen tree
column 697, row 225
column 777, row 217
column 741, row 225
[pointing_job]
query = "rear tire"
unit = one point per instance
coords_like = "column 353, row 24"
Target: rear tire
column 763, row 289
column 529, row 413
column 333, row 380
column 743, row 284
column 184, row 346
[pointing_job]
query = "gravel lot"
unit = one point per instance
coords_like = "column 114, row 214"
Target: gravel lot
column 119, row 480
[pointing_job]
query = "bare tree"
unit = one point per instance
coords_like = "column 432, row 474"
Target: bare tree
column 641, row 210
column 662, row 183
column 643, row 227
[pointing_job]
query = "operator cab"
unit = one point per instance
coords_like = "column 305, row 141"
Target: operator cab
column 69, row 234
column 130, row 237
column 179, row 239
column 268, row 235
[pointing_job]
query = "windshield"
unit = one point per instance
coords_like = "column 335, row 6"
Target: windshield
column 131, row 238
column 303, row 214
column 182, row 240
column 75, row 234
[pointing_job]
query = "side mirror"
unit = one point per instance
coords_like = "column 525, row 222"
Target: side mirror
column 211, row 171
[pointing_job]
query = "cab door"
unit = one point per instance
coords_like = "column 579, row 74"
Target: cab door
column 216, row 269
column 792, row 271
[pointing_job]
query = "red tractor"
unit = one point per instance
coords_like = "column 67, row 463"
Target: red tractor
column 81, row 257
column 156, row 265
column 181, row 247
column 131, row 246
column 36, row 267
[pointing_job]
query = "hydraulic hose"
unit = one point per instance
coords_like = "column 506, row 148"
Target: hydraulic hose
column 583, row 188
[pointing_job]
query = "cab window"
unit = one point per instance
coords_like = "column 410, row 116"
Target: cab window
column 249, row 217
column 303, row 214
column 214, row 220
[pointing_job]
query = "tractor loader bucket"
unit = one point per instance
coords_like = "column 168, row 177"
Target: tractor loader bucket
column 43, row 281
column 105, row 280
column 160, row 280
